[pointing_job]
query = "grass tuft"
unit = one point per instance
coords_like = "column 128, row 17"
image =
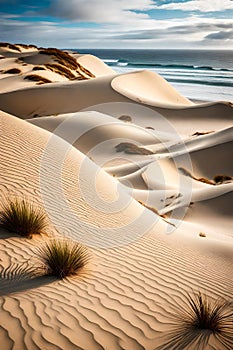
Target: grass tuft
column 21, row 217
column 38, row 68
column 10, row 46
column 222, row 178
column 62, row 70
column 63, row 258
column 38, row 78
column 202, row 321
column 12, row 71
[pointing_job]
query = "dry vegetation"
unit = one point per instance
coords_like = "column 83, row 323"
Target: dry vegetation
column 66, row 60
column 125, row 118
column 12, row 71
column 62, row 70
column 37, row 78
column 217, row 180
column 200, row 133
column 62, row 258
column 199, row 321
column 30, row 46
column 131, row 148
column 38, row 68
column 22, row 217
column 10, row 46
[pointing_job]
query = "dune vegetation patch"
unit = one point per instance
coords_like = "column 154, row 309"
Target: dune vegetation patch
column 12, row 71
column 125, row 118
column 131, row 148
column 68, row 61
column 218, row 179
column 198, row 322
column 10, row 46
column 62, row 70
column 38, row 68
column 37, row 78
column 62, row 257
column 25, row 46
column 22, row 217
column 200, row 133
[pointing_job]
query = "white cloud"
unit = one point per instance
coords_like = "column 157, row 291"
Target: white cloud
column 199, row 5
column 100, row 11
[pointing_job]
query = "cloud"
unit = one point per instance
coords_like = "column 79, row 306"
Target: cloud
column 221, row 35
column 186, row 31
column 100, row 11
column 199, row 5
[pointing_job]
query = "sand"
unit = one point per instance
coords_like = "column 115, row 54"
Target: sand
column 58, row 149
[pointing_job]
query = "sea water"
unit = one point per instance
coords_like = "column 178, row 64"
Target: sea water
column 197, row 74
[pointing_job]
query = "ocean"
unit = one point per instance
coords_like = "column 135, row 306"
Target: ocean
column 197, row 74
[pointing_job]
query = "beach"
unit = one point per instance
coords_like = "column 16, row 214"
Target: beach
column 141, row 174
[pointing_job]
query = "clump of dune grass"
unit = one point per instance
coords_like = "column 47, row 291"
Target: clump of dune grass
column 38, row 68
column 62, row 258
column 200, row 320
column 12, row 71
column 10, row 46
column 37, row 78
column 65, row 59
column 62, row 70
column 202, row 234
column 200, row 133
column 25, row 46
column 125, row 118
column 200, row 179
column 22, row 217
column 221, row 178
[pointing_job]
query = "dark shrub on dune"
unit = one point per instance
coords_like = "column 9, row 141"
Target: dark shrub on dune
column 12, row 71
column 201, row 320
column 222, row 178
column 62, row 258
column 21, row 217
column 65, row 59
column 57, row 68
column 38, row 78
column 38, row 68
column 10, row 46
column 125, row 118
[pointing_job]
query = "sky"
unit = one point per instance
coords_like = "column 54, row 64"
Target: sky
column 143, row 24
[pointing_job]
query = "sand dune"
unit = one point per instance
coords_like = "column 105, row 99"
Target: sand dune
column 140, row 215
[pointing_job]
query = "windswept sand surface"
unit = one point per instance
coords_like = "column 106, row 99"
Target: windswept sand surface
column 125, row 165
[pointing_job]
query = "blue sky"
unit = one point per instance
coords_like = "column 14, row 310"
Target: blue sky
column 118, row 23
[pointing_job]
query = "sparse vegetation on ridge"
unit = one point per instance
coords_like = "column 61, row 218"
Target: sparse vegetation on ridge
column 62, row 70
column 12, row 71
column 65, row 59
column 22, row 217
column 37, row 78
column 10, row 46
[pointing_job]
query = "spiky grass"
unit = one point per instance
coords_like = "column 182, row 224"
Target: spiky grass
column 202, row 321
column 22, row 217
column 62, row 257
